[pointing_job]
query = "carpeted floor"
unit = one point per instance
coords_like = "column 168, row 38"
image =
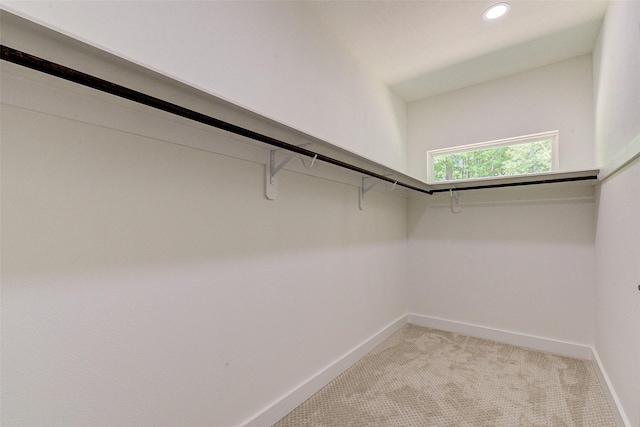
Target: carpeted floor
column 429, row 378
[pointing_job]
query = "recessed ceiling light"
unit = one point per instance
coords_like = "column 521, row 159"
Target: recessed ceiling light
column 495, row 11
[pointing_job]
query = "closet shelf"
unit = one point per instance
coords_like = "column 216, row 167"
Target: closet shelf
column 589, row 176
column 322, row 151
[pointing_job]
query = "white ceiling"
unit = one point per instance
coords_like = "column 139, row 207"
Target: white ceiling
column 422, row 48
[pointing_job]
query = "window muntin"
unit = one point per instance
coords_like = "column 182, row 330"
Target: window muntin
column 523, row 155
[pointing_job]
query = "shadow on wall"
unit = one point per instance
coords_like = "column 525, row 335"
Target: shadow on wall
column 520, row 56
column 78, row 197
column 548, row 213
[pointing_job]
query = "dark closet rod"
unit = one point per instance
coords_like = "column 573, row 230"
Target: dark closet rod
column 516, row 184
column 57, row 70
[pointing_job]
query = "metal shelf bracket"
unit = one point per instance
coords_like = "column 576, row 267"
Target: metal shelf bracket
column 273, row 169
column 364, row 188
column 455, row 201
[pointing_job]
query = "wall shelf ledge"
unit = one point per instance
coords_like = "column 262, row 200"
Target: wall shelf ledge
column 589, row 175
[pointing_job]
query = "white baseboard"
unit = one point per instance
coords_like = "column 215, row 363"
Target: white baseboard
column 614, row 403
column 292, row 400
column 513, row 338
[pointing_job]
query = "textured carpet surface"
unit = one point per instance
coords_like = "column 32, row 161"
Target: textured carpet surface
column 430, row 378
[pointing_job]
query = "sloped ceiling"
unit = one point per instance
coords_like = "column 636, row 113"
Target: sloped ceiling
column 422, row 48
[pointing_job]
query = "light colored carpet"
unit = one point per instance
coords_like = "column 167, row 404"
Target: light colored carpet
column 430, row 378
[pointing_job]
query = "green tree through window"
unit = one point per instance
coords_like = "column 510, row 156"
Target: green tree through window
column 520, row 159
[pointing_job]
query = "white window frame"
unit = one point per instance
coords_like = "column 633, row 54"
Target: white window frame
column 542, row 136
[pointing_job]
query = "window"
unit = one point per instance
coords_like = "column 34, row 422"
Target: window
column 522, row 155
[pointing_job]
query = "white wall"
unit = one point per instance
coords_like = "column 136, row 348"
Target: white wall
column 617, row 84
column 270, row 57
column 617, row 81
column 146, row 283
column 554, row 97
column 517, row 260
column 617, row 295
column 514, row 260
